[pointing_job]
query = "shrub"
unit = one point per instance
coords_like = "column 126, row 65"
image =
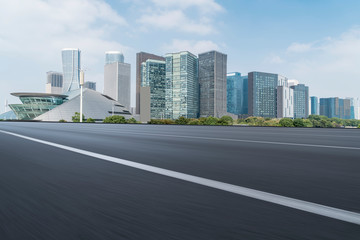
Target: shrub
column 115, row 119
column 131, row 120
column 62, row 120
column 194, row 122
column 298, row 122
column 182, row 121
column 227, row 119
column 90, row 120
column 286, row 122
column 308, row 123
column 161, row 121
column 358, row 126
column 210, row 121
column 76, row 117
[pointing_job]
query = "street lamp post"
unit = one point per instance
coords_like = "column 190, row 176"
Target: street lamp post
column 81, row 94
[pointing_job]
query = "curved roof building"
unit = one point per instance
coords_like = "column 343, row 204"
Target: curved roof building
column 35, row 104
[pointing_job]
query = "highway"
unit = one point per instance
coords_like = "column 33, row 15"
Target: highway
column 105, row 181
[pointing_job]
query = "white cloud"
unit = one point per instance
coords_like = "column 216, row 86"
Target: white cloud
column 175, row 15
column 194, row 47
column 331, row 66
column 299, row 47
column 33, row 32
column 276, row 60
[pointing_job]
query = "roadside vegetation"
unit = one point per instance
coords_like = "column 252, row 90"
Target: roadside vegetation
column 316, row 121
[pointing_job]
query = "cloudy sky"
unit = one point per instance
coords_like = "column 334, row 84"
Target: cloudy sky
column 314, row 41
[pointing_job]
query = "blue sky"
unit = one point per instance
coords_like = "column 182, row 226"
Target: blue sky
column 316, row 42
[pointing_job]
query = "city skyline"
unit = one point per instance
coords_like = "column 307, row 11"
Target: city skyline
column 335, row 47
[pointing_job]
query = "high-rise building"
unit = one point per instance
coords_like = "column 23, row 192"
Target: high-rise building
column 335, row 107
column 262, row 93
column 152, row 91
column 117, row 82
column 352, row 108
column 140, row 58
column 314, row 105
column 71, row 61
column 285, row 102
column 212, row 80
column 182, row 85
column 113, row 56
column 237, row 93
column 292, row 82
column 357, row 108
column 90, row 85
column 301, row 101
column 54, row 82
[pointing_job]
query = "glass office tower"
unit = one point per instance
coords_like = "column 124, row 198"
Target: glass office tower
column 54, row 82
column 90, row 85
column 301, row 101
column 237, row 93
column 335, row 107
column 262, row 93
column 153, row 76
column 71, row 69
column 314, row 105
column 113, row 56
column 181, row 85
column 212, row 80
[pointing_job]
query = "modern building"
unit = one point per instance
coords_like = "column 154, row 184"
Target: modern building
column 213, row 84
column 114, row 56
column 182, row 85
column 90, row 85
column 36, row 104
column 54, row 82
column 292, row 82
column 71, row 61
column 301, row 101
column 95, row 105
column 140, row 58
column 335, row 107
column 262, row 93
column 314, row 105
column 285, row 102
column 352, row 108
column 117, row 82
column 8, row 115
column 237, row 93
column 357, row 108
column 152, row 91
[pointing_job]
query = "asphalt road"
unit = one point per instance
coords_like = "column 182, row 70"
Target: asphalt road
column 52, row 193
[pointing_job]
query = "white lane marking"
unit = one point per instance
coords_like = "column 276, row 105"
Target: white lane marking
column 315, row 208
column 228, row 139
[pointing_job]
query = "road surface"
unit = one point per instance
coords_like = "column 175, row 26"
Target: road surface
column 98, row 181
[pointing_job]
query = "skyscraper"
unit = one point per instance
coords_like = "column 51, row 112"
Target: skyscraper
column 262, row 93
column 212, row 80
column 54, row 82
column 152, row 91
column 140, row 58
column 71, row 59
column 117, row 82
column 301, row 101
column 335, row 107
column 237, row 93
column 285, row 102
column 314, row 105
column 90, row 85
column 113, row 56
column 182, row 85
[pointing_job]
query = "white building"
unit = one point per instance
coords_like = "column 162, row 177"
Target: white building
column 285, row 102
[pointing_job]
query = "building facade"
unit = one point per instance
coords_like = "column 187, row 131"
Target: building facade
column 71, row 61
column 285, row 102
column 152, row 94
column 262, row 93
column 213, row 84
column 90, row 85
column 314, row 105
column 335, row 107
column 54, row 82
column 237, row 93
column 117, row 82
column 140, row 58
column 181, row 85
column 301, row 101
column 113, row 57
